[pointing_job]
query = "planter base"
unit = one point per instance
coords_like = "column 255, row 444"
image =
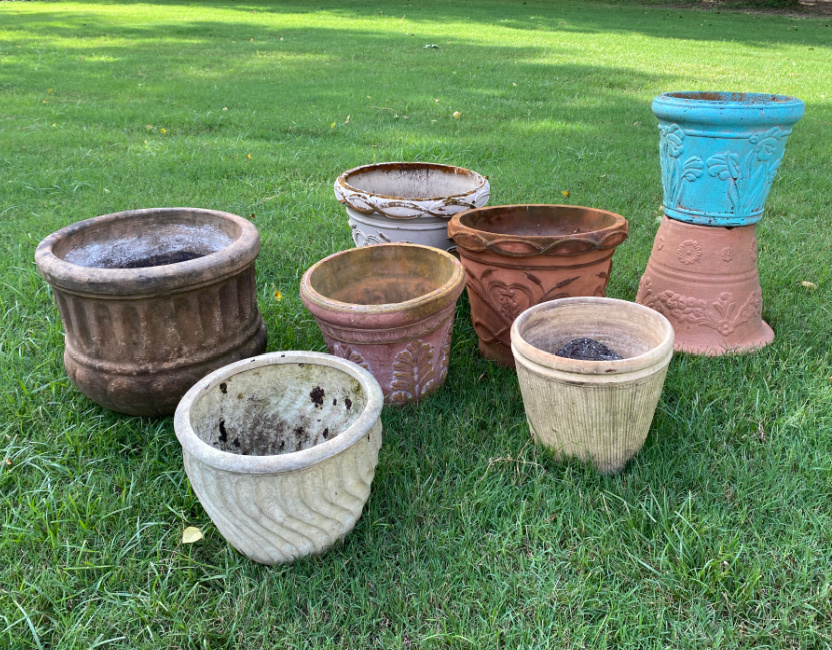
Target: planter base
column 704, row 280
column 498, row 353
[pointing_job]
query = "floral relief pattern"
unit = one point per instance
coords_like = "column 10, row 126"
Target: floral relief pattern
column 675, row 172
column 727, row 254
column 689, row 251
column 749, row 178
column 445, row 355
column 724, row 315
column 413, row 373
column 659, row 242
column 344, row 351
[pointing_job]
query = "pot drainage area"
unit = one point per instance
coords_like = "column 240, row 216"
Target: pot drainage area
column 278, row 409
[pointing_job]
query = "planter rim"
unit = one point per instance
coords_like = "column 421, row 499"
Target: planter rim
column 728, row 107
column 278, row 463
column 167, row 278
column 652, row 357
column 470, row 238
column 344, row 188
column 446, row 294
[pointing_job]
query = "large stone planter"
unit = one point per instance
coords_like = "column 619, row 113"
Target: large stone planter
column 598, row 411
column 153, row 300
column 517, row 256
column 704, row 280
column 281, row 450
column 720, row 152
column 388, row 308
column 408, row 202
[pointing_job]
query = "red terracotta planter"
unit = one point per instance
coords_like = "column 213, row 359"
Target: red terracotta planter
column 390, row 309
column 704, row 280
column 517, row 256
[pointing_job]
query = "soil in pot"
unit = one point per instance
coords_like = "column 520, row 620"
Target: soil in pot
column 587, row 349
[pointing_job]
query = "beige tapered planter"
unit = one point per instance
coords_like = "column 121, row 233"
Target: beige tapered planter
column 599, row 411
column 281, row 449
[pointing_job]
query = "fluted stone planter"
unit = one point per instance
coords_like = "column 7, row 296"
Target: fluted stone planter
column 281, row 450
column 408, row 202
column 720, row 152
column 389, row 308
column 516, row 256
column 598, row 411
column 153, row 300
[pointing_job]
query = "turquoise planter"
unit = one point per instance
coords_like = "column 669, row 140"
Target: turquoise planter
column 720, row 153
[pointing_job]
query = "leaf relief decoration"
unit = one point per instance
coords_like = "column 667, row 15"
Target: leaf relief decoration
column 413, row 372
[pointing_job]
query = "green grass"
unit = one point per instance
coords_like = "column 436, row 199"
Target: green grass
column 718, row 534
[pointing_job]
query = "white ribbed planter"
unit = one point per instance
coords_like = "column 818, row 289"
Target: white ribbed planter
column 598, row 411
column 281, row 449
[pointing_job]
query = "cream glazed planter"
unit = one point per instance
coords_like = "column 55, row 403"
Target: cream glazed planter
column 281, row 449
column 598, row 411
column 408, row 202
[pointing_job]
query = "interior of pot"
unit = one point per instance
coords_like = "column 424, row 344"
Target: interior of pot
column 414, row 180
column 741, row 98
column 147, row 239
column 629, row 332
column 277, row 409
column 382, row 274
column 538, row 220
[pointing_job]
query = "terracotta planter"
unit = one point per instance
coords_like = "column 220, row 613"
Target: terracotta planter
column 281, row 450
column 390, row 309
column 517, row 256
column 704, row 280
column 153, row 300
column 720, row 152
column 408, row 202
column 599, row 411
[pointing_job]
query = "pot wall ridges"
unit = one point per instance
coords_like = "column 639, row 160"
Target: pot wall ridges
column 148, row 331
column 613, row 419
column 274, row 518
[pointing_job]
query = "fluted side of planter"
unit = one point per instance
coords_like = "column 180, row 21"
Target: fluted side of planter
column 598, row 411
column 281, row 450
column 390, row 309
column 720, row 152
column 519, row 256
column 278, row 518
column 372, row 228
column 137, row 337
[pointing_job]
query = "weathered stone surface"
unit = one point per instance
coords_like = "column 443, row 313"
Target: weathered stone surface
column 152, row 300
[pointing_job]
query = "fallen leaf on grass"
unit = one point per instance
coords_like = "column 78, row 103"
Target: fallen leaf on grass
column 566, row 193
column 457, row 115
column 811, row 286
column 191, row 535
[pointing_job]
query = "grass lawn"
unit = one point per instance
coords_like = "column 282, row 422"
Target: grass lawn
column 718, row 534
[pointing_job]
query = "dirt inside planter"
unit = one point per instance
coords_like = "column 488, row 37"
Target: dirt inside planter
column 278, row 409
column 586, row 349
column 136, row 245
